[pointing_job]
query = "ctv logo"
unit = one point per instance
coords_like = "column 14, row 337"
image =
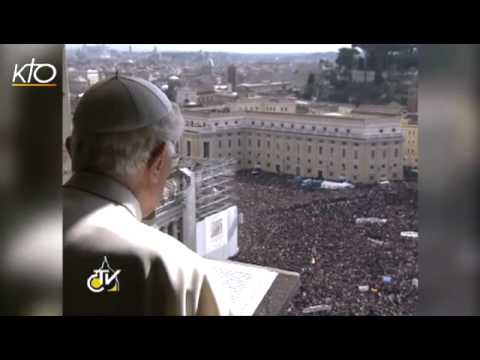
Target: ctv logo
column 104, row 279
column 34, row 75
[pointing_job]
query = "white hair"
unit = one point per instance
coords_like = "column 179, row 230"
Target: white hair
column 119, row 154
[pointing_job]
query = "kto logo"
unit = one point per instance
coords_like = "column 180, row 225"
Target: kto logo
column 37, row 75
column 104, row 279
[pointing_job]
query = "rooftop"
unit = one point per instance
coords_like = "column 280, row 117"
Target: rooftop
column 208, row 113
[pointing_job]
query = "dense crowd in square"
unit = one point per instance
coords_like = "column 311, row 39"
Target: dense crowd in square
column 346, row 267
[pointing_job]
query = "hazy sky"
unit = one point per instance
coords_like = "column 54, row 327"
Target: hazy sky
column 239, row 48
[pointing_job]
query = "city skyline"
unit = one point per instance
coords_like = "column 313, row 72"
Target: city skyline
column 230, row 48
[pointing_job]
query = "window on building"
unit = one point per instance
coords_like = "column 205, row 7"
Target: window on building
column 348, row 131
column 381, row 130
column 343, row 166
column 331, row 174
column 331, row 151
column 372, row 177
column 324, row 129
column 239, row 142
column 249, row 142
column 373, row 154
column 331, row 163
column 355, row 154
column 320, row 150
column 343, row 153
column 371, row 167
column 309, row 149
column 288, row 147
column 354, row 177
column 355, row 167
column 384, row 154
column 336, row 129
column 258, row 143
column 268, row 144
column 309, row 171
column 189, row 148
column 229, row 143
column 396, row 152
column 206, row 149
column 219, row 144
column 393, row 130
column 394, row 175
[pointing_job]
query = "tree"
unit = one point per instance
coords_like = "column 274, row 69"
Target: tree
column 380, row 55
column 309, row 87
column 346, row 58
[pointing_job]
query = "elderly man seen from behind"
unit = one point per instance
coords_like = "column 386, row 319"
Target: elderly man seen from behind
column 121, row 148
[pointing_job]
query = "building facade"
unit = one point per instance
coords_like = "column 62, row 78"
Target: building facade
column 410, row 149
column 358, row 148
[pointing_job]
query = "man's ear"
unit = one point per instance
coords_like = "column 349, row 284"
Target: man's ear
column 157, row 160
column 68, row 145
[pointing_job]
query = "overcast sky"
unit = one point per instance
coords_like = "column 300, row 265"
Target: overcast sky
column 238, row 48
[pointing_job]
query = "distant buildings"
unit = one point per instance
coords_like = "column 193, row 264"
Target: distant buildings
column 263, row 88
column 186, row 96
column 250, row 105
column 92, row 76
column 264, row 104
column 363, row 76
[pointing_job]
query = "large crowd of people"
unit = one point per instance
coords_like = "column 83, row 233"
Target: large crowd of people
column 346, row 267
